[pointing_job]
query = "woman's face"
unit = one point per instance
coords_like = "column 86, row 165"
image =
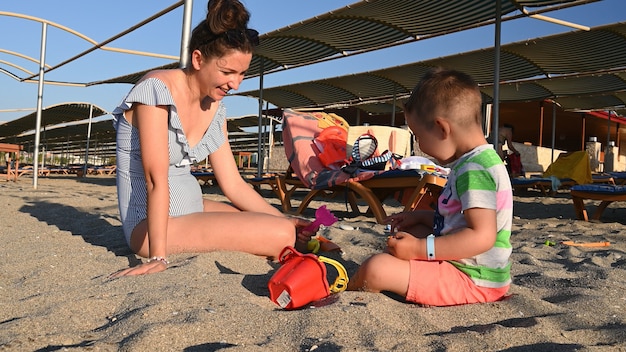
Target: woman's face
column 219, row 75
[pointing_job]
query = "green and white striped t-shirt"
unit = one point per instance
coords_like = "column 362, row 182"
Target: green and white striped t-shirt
column 479, row 179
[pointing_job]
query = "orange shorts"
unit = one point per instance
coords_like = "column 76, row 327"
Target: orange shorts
column 439, row 283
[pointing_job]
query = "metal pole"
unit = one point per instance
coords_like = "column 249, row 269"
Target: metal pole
column 259, row 151
column 393, row 109
column 553, row 130
column 88, row 137
column 186, row 34
column 496, row 77
column 609, row 164
column 608, row 131
column 42, row 62
column 270, row 136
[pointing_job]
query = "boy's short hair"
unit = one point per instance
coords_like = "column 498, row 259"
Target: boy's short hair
column 446, row 93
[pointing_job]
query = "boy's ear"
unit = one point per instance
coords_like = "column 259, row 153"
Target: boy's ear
column 442, row 126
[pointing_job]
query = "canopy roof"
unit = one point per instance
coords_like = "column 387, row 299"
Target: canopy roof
column 52, row 115
column 371, row 25
column 73, row 136
column 580, row 70
column 361, row 27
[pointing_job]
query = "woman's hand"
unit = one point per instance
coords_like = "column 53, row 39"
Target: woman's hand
column 302, row 236
column 150, row 267
column 403, row 246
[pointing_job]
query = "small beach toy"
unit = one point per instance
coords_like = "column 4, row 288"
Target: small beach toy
column 586, row 244
column 323, row 216
column 301, row 279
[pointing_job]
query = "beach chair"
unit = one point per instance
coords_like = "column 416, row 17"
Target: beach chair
column 605, row 193
column 206, row 177
column 12, row 167
column 270, row 180
column 567, row 170
column 523, row 184
column 549, row 185
column 29, row 170
column 571, row 169
column 309, row 173
column 619, row 177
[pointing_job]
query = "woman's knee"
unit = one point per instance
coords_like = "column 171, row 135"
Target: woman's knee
column 285, row 233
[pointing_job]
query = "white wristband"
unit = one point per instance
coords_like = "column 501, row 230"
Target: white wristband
column 430, row 247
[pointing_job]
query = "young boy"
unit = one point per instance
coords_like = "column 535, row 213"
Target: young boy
column 459, row 253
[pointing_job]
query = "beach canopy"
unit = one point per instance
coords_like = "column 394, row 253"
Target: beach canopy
column 69, row 131
column 372, row 25
column 575, row 69
column 52, row 115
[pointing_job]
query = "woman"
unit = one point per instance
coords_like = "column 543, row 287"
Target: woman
column 178, row 113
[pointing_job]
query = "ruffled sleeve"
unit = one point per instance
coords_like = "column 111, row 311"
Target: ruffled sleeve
column 151, row 91
column 213, row 137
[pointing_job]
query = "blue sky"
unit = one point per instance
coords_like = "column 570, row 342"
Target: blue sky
column 100, row 20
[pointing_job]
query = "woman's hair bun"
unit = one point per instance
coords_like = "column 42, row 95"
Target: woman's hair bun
column 223, row 15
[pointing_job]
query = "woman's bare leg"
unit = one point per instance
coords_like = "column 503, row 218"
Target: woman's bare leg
column 214, row 206
column 222, row 228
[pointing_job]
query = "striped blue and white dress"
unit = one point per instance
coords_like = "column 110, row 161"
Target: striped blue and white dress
column 185, row 192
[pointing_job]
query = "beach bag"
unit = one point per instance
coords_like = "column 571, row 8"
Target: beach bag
column 301, row 279
column 364, row 156
column 331, row 146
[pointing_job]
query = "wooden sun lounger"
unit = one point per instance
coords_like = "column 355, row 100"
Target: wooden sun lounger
column 373, row 191
column 207, row 178
column 12, row 171
column 544, row 184
column 619, row 177
column 268, row 179
column 30, row 170
column 607, row 194
column 102, row 170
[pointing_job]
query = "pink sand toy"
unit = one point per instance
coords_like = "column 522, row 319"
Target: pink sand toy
column 323, row 216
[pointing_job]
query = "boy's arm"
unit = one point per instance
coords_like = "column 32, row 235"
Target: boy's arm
column 478, row 237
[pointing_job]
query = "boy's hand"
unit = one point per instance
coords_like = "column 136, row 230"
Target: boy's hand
column 401, row 221
column 403, row 246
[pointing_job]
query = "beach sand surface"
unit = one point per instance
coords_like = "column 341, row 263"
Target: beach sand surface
column 61, row 242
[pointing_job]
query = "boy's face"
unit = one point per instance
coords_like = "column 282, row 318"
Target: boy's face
column 430, row 140
column 425, row 138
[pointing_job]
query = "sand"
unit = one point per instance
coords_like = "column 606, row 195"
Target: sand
column 62, row 241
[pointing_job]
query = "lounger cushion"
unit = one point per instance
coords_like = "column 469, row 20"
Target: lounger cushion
column 529, row 181
column 599, row 188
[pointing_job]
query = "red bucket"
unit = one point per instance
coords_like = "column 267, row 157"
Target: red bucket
column 301, row 279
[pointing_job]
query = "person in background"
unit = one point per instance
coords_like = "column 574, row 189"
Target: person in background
column 458, row 253
column 8, row 160
column 173, row 118
column 511, row 157
column 505, row 136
